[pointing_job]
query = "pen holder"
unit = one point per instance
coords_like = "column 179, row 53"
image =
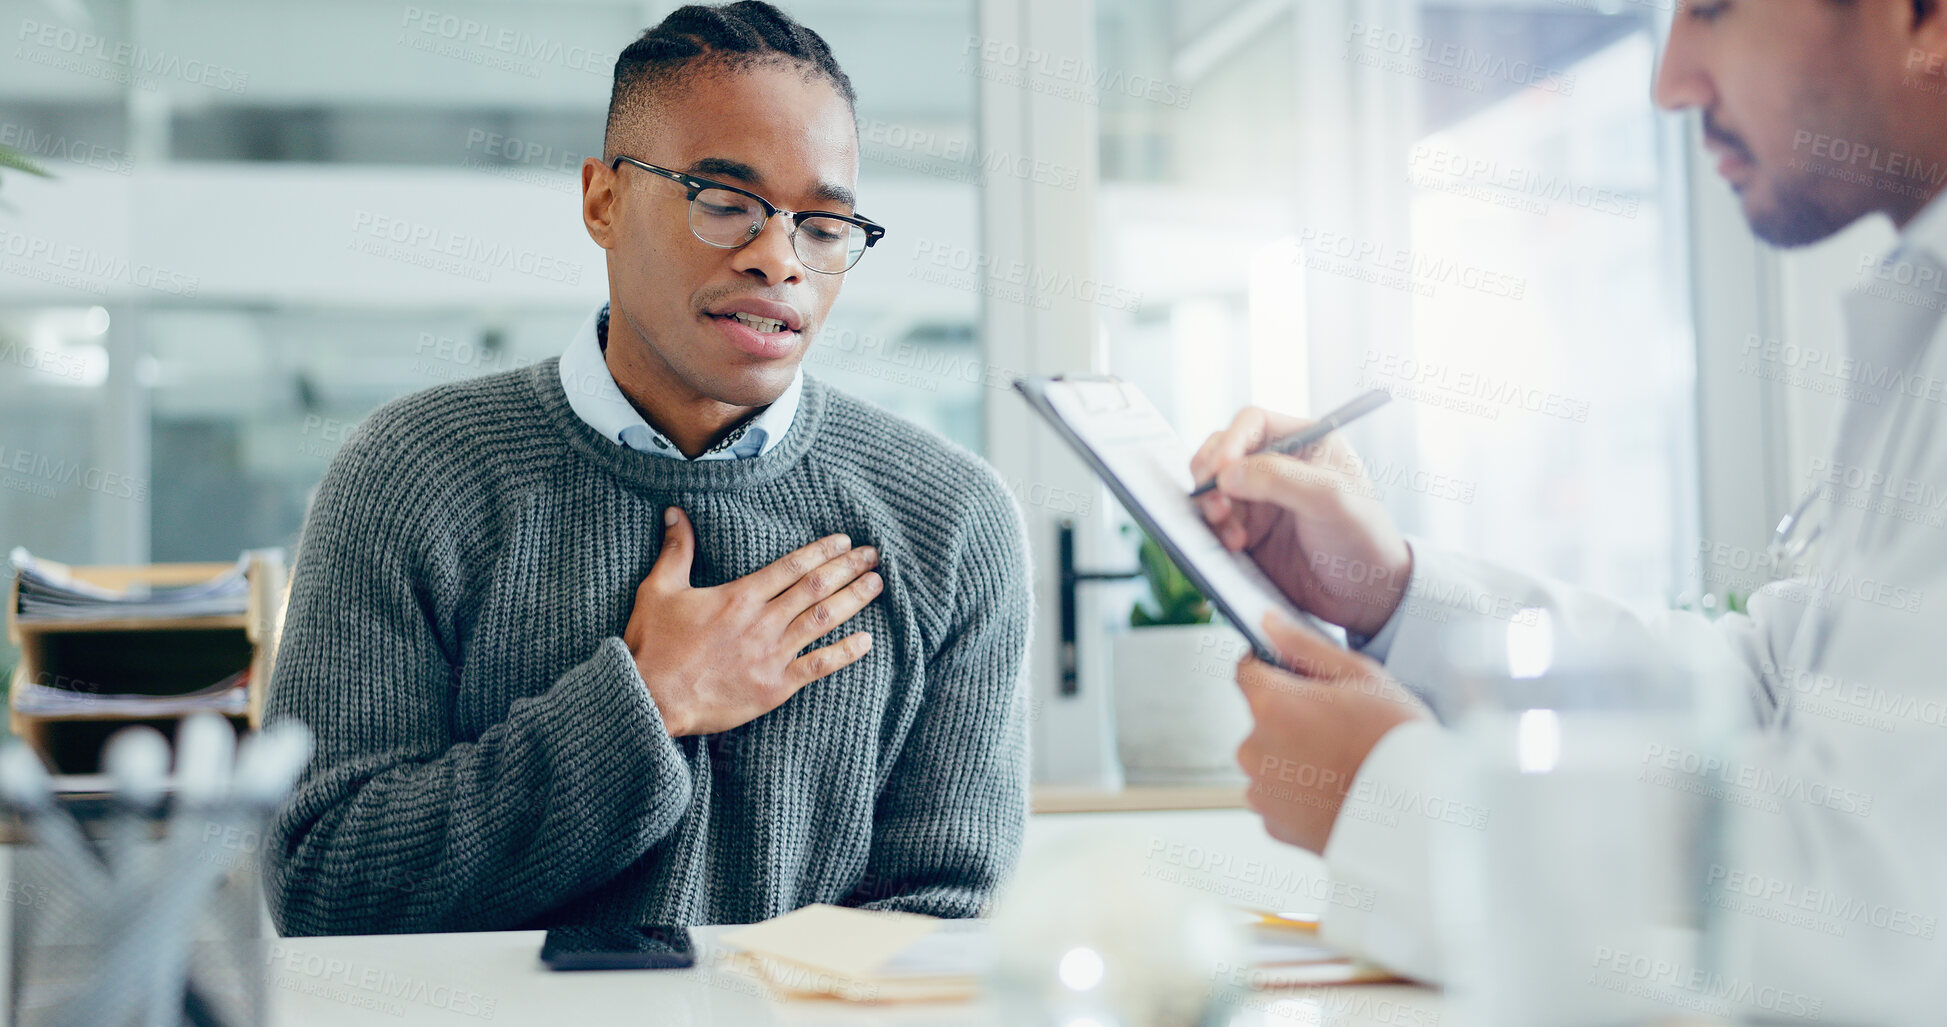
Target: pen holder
column 172, row 935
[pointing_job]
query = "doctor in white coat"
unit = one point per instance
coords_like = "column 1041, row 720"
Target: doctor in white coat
column 1846, row 665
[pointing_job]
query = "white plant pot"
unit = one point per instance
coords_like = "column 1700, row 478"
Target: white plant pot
column 1179, row 716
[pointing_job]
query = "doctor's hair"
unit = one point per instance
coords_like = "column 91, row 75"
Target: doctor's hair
column 714, row 38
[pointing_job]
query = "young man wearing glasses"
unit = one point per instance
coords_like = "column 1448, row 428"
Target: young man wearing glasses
column 665, row 631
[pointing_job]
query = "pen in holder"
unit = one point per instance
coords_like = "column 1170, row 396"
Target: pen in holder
column 158, row 920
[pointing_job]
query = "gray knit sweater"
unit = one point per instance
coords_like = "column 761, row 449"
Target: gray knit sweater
column 488, row 757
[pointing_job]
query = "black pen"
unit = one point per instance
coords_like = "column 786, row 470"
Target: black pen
column 1324, row 426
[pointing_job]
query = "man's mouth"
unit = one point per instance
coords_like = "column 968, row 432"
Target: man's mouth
column 1735, row 162
column 1726, row 141
column 759, row 314
column 763, row 328
column 760, row 328
column 767, row 325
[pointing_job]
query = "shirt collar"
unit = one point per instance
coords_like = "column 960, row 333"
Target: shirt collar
column 1892, row 315
column 1927, row 232
column 599, row 402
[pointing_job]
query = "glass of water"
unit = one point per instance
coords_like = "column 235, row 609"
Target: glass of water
column 1576, row 899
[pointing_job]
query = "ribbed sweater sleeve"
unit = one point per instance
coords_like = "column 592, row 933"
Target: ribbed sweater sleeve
column 400, row 824
column 949, row 822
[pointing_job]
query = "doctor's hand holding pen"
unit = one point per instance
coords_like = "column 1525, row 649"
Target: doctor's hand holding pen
column 1310, row 522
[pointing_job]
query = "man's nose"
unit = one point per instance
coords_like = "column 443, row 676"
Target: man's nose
column 1681, row 82
column 771, row 256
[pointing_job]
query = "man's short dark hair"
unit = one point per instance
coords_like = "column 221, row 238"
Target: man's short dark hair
column 725, row 37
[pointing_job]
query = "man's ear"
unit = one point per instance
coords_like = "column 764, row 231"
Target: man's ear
column 598, row 201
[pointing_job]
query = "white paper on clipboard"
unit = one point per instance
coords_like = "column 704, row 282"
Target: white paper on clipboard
column 1126, row 440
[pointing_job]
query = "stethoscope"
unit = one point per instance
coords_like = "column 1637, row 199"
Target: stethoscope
column 1797, row 531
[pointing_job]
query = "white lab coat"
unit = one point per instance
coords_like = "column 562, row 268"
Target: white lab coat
column 1847, row 680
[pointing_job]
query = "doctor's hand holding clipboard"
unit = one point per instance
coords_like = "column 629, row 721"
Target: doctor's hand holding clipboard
column 1288, row 533
column 1309, row 523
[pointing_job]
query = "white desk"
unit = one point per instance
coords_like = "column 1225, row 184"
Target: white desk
column 436, row 979
column 457, row 979
column 497, row 978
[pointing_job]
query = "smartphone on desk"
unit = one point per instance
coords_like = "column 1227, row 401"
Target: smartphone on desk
column 651, row 947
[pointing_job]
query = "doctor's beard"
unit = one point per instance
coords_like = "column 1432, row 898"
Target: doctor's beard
column 1790, row 206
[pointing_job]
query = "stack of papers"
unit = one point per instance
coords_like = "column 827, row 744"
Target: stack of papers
column 229, row 696
column 49, row 592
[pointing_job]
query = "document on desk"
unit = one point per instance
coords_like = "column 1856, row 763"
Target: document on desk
column 861, row 955
column 1121, row 435
column 871, row 956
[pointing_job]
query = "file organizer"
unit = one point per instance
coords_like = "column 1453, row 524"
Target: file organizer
column 150, row 663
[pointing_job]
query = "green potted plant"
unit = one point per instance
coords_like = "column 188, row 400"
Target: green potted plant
column 15, row 160
column 1173, row 599
column 1179, row 716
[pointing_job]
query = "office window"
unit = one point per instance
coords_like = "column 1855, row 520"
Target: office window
column 1473, row 204
column 1492, row 147
column 53, row 369
column 247, row 311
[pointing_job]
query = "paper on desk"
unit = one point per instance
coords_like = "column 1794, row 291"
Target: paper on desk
column 873, row 957
column 853, row 942
column 955, row 948
column 1289, row 955
column 862, row 955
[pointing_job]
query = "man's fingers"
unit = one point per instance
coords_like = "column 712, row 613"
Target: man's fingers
column 672, row 568
column 1305, row 489
column 824, row 582
column 1207, row 461
column 1248, row 432
column 1313, row 656
column 1257, row 679
column 1305, row 651
column 1226, row 521
column 1251, row 430
column 1215, row 507
column 1311, row 662
column 825, row 616
column 822, row 663
column 784, row 572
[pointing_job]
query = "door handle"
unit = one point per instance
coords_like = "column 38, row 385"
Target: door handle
column 1071, row 580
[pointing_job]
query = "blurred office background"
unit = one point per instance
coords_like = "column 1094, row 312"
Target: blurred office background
column 267, row 218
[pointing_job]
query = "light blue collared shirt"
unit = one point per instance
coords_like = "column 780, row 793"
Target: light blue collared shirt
column 599, row 402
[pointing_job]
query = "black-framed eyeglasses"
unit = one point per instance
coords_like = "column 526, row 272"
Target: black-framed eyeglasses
column 727, row 217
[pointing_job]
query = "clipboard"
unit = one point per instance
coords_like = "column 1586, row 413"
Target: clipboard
column 1125, row 440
